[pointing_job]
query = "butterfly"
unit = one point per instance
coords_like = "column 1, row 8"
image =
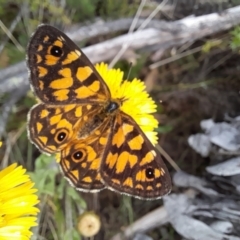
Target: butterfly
column 97, row 145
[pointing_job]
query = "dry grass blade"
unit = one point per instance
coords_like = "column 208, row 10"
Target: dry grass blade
column 9, row 34
column 168, row 158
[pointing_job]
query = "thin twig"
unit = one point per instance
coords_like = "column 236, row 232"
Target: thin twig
column 68, row 212
column 11, row 29
column 175, row 57
column 151, row 220
column 9, row 34
column 127, row 43
column 168, row 158
column 130, row 31
column 223, row 152
column 10, row 142
column 215, row 65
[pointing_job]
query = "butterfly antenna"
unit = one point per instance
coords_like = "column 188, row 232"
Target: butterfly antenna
column 128, row 75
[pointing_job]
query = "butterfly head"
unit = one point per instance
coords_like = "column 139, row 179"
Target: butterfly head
column 112, row 106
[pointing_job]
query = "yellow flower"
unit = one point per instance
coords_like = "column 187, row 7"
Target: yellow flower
column 138, row 104
column 17, row 204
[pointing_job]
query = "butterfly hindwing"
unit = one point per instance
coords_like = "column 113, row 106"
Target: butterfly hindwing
column 130, row 164
column 51, row 128
column 80, row 160
column 60, row 73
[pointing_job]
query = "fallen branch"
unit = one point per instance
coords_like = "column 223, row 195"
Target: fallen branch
column 163, row 34
column 151, row 220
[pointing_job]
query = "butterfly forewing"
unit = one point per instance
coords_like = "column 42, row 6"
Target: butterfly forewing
column 60, row 73
column 131, row 165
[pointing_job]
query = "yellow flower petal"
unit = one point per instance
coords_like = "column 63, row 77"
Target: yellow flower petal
column 17, row 204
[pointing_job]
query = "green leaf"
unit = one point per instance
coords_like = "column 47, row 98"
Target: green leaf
column 76, row 197
column 164, row 129
column 235, row 40
column 72, row 234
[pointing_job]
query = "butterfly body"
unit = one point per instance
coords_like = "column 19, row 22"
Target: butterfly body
column 106, row 113
column 97, row 144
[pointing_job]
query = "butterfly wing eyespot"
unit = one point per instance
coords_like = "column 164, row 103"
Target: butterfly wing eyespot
column 79, row 170
column 80, row 160
column 61, row 135
column 149, row 172
column 131, row 165
column 78, row 155
column 60, row 73
column 56, row 51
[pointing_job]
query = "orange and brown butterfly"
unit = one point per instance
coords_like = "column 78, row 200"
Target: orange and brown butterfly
column 99, row 129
